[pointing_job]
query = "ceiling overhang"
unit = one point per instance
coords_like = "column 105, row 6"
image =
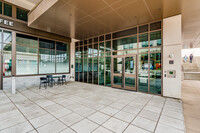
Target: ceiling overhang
column 26, row 4
column 82, row 19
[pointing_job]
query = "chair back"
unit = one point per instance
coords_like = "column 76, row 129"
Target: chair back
column 42, row 79
column 63, row 76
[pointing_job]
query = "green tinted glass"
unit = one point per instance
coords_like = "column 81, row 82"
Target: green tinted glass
column 22, row 14
column 7, row 10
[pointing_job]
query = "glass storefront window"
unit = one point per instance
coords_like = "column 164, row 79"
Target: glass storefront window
column 62, row 62
column 155, row 73
column 76, row 69
column 85, row 69
column 48, row 44
column 80, row 69
column 7, row 37
column 46, row 61
column 101, row 49
column 125, row 43
column 0, row 7
column 157, row 49
column 22, row 14
column 155, row 38
column 95, row 70
column 108, row 46
column 101, row 71
column 90, row 70
column 90, row 49
column 7, row 10
column 26, row 60
column 85, row 50
column 143, row 50
column 143, row 40
column 143, row 73
column 96, row 48
column 108, row 71
column 7, row 59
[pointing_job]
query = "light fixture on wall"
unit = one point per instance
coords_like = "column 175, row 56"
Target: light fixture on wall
column 171, row 56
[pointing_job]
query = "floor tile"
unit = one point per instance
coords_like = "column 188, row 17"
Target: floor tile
column 68, row 130
column 153, row 109
column 52, row 127
column 117, row 105
column 131, row 109
column 115, row 125
column 99, row 118
column 19, row 128
column 172, row 122
column 42, row 120
column 109, row 111
column 84, row 126
column 161, row 128
column 146, row 124
column 85, row 111
column 149, row 115
column 173, row 114
column 71, row 119
column 127, row 117
column 134, row 129
column 102, row 130
column 61, row 112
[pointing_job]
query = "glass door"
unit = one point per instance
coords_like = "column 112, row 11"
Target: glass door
column 124, row 72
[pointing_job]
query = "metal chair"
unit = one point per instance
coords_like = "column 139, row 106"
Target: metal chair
column 43, row 81
column 63, row 79
column 50, row 80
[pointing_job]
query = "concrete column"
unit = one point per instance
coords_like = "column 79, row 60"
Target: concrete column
column 172, row 30
column 72, row 58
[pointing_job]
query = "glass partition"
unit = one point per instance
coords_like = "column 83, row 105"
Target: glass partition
column 155, row 73
column 108, row 71
column 90, row 70
column 95, row 70
column 143, row 72
column 101, row 71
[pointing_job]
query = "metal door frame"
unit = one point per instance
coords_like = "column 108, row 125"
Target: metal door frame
column 123, row 72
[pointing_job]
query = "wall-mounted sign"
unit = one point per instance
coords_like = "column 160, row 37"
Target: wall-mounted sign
column 6, row 22
column 171, row 62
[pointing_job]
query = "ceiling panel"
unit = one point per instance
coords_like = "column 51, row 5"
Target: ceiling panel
column 82, row 19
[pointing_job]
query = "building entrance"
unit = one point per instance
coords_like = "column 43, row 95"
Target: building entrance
column 124, row 72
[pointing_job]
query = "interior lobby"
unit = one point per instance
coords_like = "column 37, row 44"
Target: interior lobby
column 99, row 66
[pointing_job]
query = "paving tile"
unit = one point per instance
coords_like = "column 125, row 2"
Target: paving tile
column 173, row 114
column 161, row 128
column 42, row 120
column 115, row 125
column 153, row 109
column 85, row 111
column 134, row 129
column 127, row 117
column 149, row 115
column 84, row 126
column 19, row 128
column 109, row 111
column 61, row 112
column 172, row 122
column 52, row 127
column 117, row 105
column 35, row 113
column 68, row 130
column 146, row 124
column 99, row 118
column 131, row 109
column 71, row 119
column 102, row 130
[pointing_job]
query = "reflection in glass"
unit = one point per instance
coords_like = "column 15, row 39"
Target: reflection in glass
column 101, row 70
column 143, row 40
column 155, row 38
column 46, row 61
column 96, row 48
column 76, row 69
column 155, row 73
column 108, row 46
column 125, row 43
column 143, row 50
column 7, row 63
column 85, row 50
column 117, row 62
column 7, row 37
column 85, row 69
column 130, row 81
column 143, row 73
column 156, row 49
column 95, row 70
column 90, row 49
column 130, row 65
column 81, row 70
column 26, row 40
column 108, row 71
column 89, row 70
column 101, row 49
column 117, row 80
column 26, row 60
column 62, row 62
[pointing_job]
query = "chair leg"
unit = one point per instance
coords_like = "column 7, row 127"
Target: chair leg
column 40, row 86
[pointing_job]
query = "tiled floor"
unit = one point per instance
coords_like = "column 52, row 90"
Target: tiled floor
column 84, row 108
column 191, row 105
